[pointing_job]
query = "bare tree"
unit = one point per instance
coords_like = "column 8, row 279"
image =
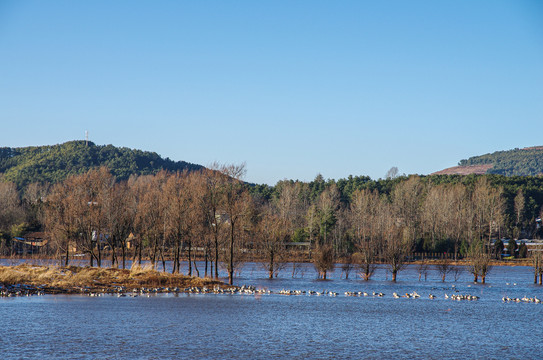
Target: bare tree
column 11, row 210
column 59, row 219
column 537, row 263
column 33, row 202
column 272, row 230
column 289, row 204
column 348, row 264
column 327, row 208
column 236, row 206
column 433, row 216
column 397, row 245
column 459, row 217
column 119, row 213
column 138, row 186
column 312, row 221
column 457, row 270
column 364, row 227
column 401, row 223
column 323, row 260
column 10, row 205
column 479, row 258
column 392, row 173
column 86, row 192
column 519, row 203
column 212, row 203
column 75, row 211
column 444, row 267
column 407, row 197
column 178, row 207
column 423, row 270
column 489, row 209
column 205, row 228
column 150, row 219
column 341, row 237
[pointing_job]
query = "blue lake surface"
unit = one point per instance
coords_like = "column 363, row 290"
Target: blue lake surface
column 209, row 326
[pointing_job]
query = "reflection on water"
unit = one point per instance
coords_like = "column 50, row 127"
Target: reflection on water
column 275, row 326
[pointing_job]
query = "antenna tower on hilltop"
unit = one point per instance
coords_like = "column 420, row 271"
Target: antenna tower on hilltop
column 86, row 138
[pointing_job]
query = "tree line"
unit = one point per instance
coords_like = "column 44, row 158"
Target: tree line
column 361, row 222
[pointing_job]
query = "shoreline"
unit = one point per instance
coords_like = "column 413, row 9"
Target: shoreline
column 28, row 279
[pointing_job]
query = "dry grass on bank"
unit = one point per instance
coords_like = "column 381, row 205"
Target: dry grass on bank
column 73, row 278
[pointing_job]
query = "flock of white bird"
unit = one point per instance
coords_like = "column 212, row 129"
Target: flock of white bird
column 252, row 290
column 523, row 299
column 21, row 290
column 412, row 295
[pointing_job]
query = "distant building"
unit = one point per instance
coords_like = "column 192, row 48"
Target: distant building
column 531, row 244
column 32, row 243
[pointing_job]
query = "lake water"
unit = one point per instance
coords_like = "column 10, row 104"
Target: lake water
column 208, row 326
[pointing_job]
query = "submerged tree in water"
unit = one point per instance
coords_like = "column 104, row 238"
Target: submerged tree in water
column 479, row 258
column 365, row 212
column 323, row 260
column 444, row 267
column 537, row 263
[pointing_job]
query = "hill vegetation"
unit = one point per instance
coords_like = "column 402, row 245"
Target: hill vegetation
column 54, row 163
column 522, row 162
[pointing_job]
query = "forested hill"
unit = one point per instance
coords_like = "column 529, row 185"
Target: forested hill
column 53, row 163
column 527, row 161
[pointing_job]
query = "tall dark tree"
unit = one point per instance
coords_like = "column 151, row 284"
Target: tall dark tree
column 237, row 206
column 214, row 181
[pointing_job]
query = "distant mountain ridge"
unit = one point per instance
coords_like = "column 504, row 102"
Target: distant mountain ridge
column 516, row 162
column 52, row 163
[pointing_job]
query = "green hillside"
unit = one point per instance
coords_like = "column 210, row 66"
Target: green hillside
column 53, row 163
column 523, row 162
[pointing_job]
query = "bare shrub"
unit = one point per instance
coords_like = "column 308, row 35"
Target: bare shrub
column 444, row 267
column 323, row 260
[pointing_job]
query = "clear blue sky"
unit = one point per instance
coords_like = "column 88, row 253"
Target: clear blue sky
column 293, row 88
